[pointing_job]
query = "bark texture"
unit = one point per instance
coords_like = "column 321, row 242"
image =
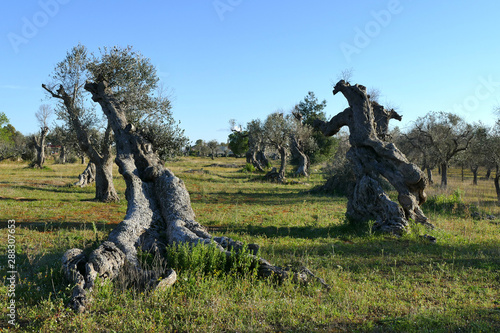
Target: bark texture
column 159, row 212
column 87, row 177
column 303, row 159
column 371, row 156
column 39, row 143
column 102, row 158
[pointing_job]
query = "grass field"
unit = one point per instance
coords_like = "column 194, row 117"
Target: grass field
column 379, row 282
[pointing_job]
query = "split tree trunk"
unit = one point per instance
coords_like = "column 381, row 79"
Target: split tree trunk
column 371, row 157
column 39, row 143
column 252, row 159
column 281, row 172
column 102, row 158
column 159, row 212
column 87, row 177
column 474, row 170
column 303, row 159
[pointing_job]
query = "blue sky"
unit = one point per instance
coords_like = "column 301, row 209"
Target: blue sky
column 244, row 59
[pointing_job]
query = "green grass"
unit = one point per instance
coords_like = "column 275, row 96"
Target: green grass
column 379, row 282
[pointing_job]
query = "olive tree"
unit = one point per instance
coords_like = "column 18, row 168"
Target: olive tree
column 159, row 212
column 442, row 136
column 42, row 115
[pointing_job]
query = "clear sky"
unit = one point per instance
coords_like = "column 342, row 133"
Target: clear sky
column 245, row 59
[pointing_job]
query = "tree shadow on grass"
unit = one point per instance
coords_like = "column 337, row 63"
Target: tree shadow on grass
column 55, row 188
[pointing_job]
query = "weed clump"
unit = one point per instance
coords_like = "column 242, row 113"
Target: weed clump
column 452, row 204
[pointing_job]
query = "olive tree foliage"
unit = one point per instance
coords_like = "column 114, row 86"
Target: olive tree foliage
column 74, row 109
column 302, row 142
column 257, row 145
column 212, row 146
column 440, row 136
column 476, row 155
column 133, row 80
column 277, row 130
column 66, row 139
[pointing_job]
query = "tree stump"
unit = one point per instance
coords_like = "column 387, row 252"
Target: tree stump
column 371, row 156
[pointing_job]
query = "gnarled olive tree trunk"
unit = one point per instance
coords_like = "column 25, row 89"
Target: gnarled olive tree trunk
column 39, row 143
column 371, row 156
column 303, row 159
column 159, row 212
column 101, row 158
column 87, row 177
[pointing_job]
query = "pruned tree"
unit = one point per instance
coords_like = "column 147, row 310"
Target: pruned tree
column 69, row 77
column 65, row 138
column 159, row 212
column 418, row 149
column 301, row 142
column 256, row 154
column 134, row 79
column 277, row 130
column 372, row 157
column 476, row 155
column 42, row 115
column 442, row 135
column 212, row 146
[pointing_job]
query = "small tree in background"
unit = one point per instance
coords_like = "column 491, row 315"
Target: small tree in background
column 42, row 115
column 443, row 135
column 212, row 146
column 277, row 130
column 12, row 142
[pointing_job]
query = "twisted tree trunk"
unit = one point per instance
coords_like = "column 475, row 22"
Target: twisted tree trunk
column 371, row 156
column 87, row 177
column 159, row 212
column 474, row 170
column 39, row 143
column 303, row 167
column 103, row 160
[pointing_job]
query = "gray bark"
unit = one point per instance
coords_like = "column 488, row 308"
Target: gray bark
column 474, row 170
column 39, row 143
column 371, row 156
column 62, row 155
column 303, row 159
column 429, row 175
column 444, row 175
column 105, row 189
column 87, row 177
column 159, row 212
